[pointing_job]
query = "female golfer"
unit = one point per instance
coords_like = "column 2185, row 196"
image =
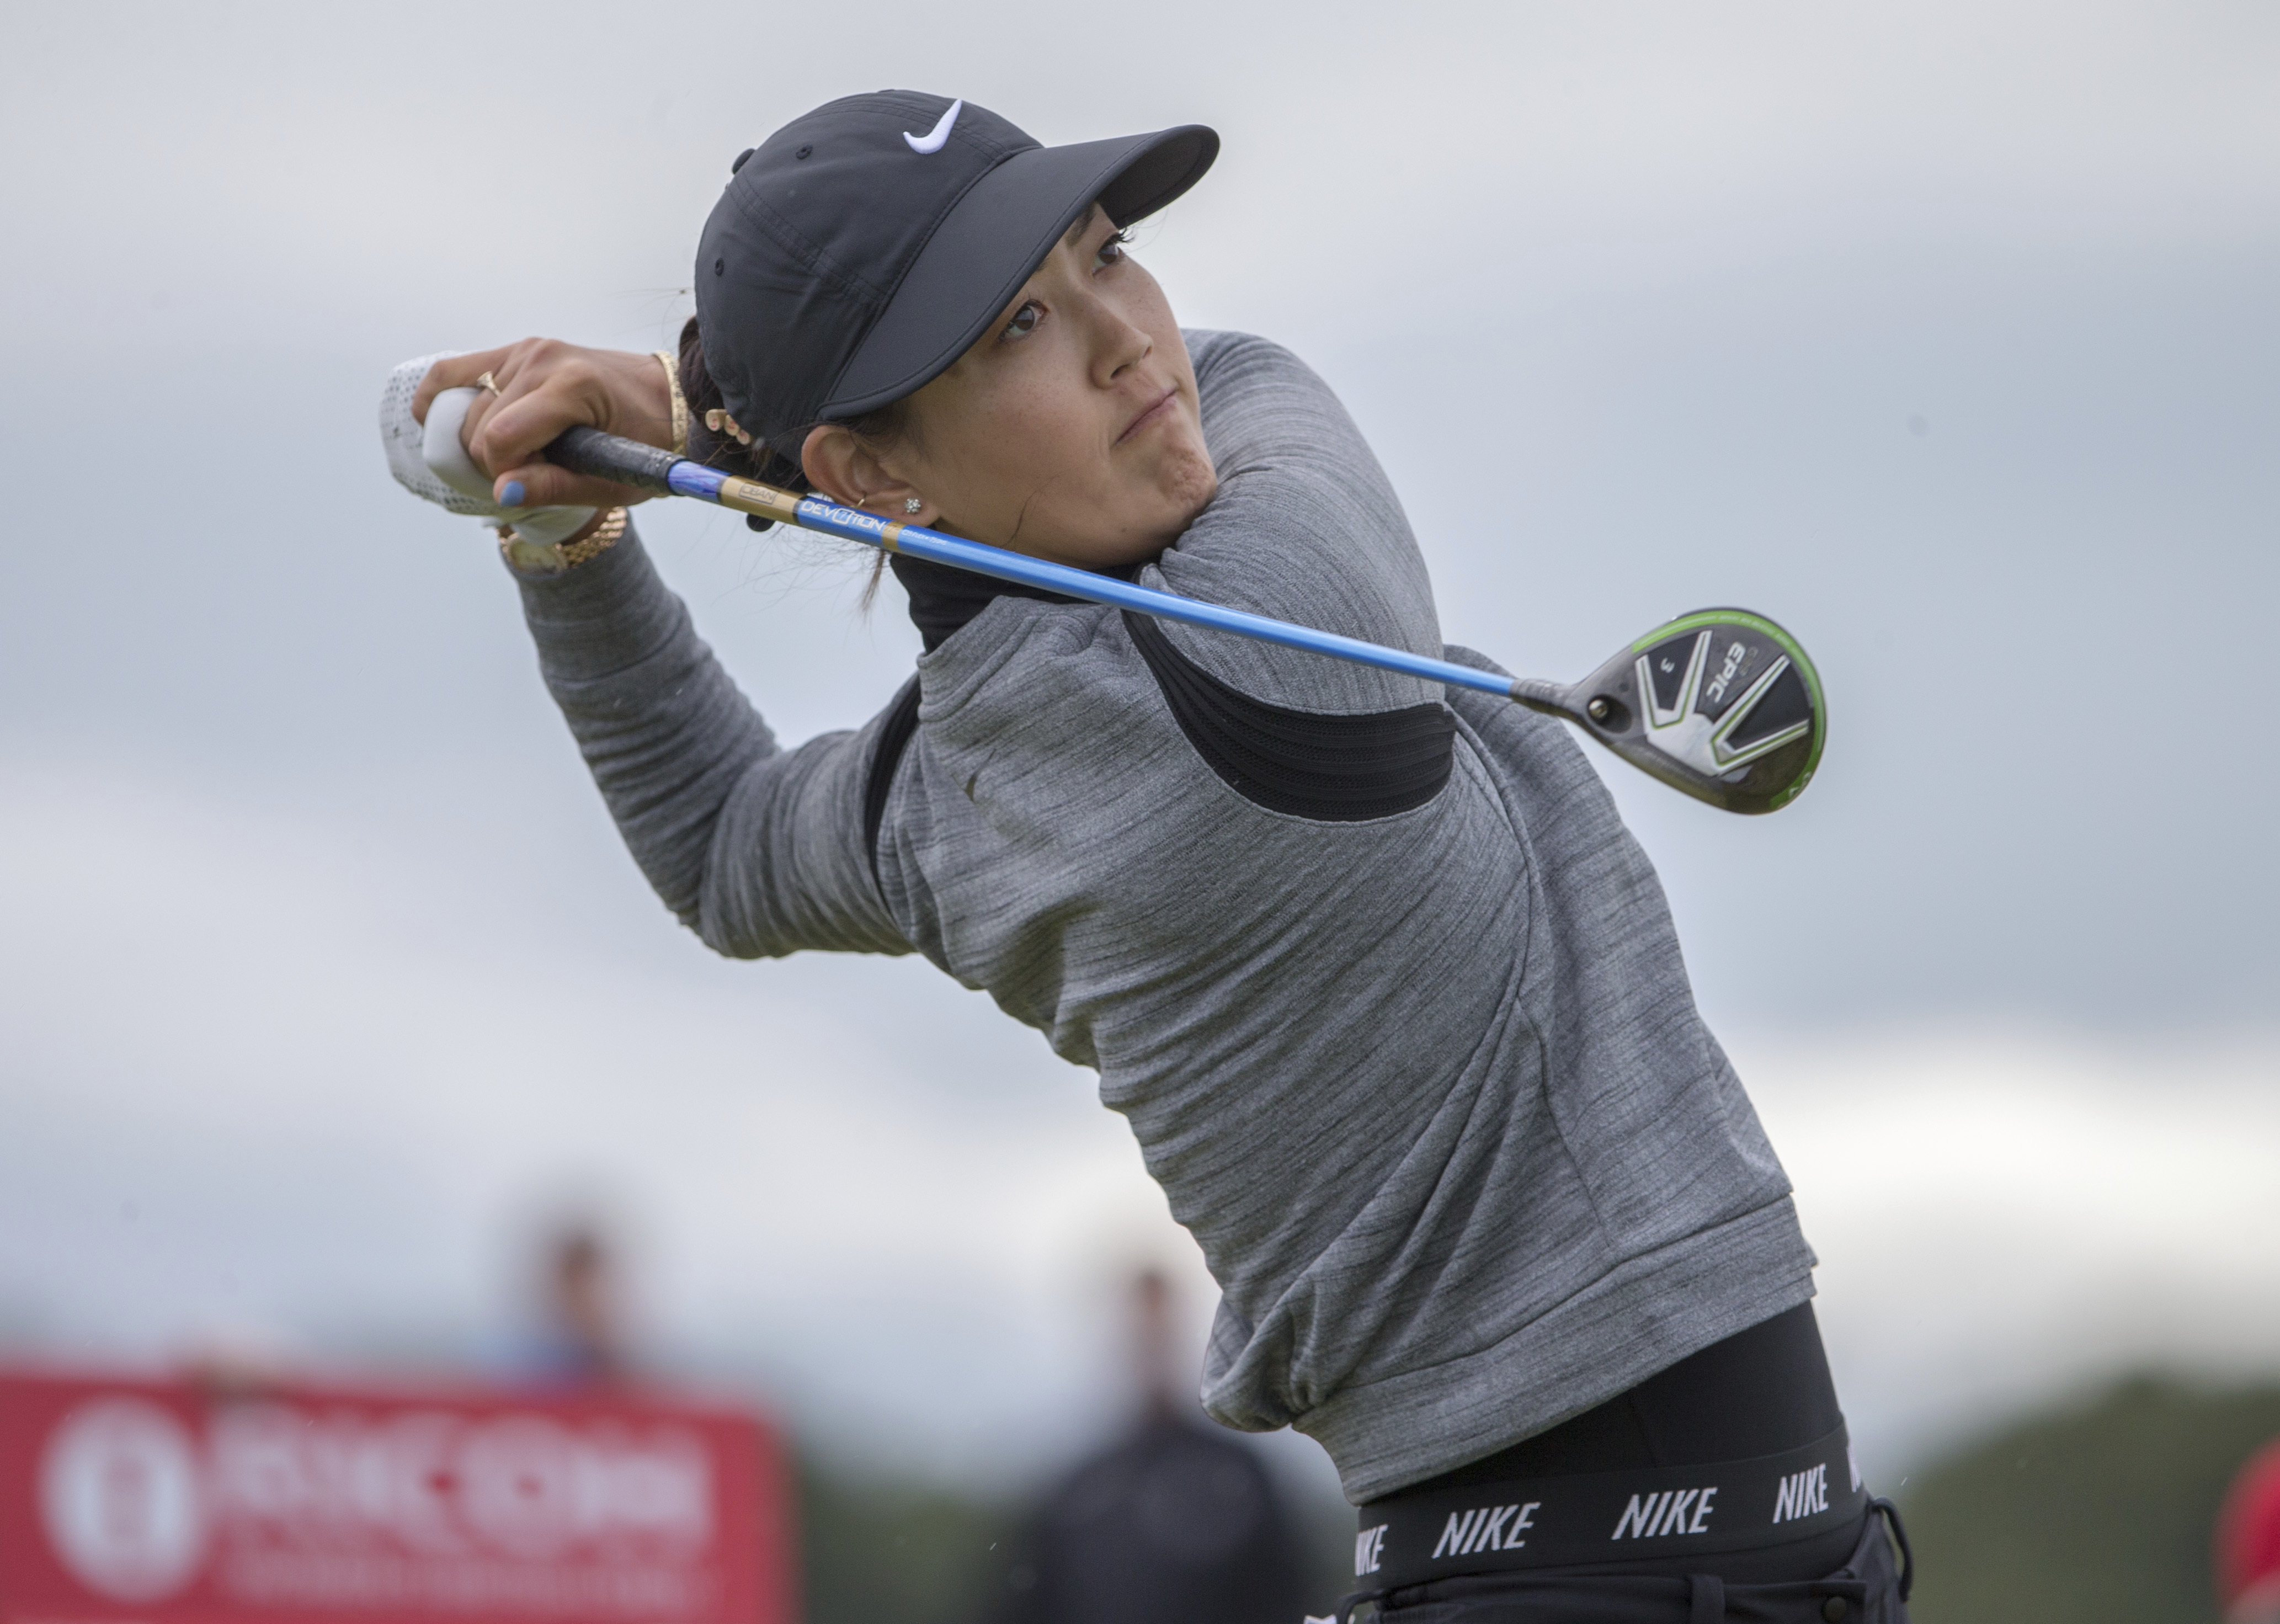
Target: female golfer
column 1388, row 996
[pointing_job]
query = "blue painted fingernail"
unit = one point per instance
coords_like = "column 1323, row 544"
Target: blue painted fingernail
column 512, row 495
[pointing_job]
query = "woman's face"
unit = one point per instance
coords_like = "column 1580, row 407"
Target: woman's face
column 1071, row 430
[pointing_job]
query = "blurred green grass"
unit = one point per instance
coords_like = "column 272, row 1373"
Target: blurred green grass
column 882, row 1551
column 2102, row 1511
column 877, row 1549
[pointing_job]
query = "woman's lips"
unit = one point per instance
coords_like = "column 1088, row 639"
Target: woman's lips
column 1163, row 403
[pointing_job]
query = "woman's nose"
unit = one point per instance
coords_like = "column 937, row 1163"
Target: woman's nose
column 1122, row 345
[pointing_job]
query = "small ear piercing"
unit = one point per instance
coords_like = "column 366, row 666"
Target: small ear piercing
column 911, row 504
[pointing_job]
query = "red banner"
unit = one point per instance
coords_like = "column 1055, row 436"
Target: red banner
column 164, row 1504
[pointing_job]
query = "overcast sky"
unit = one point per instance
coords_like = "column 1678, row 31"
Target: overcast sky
column 1944, row 333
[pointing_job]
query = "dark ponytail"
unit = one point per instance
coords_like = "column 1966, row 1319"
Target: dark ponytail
column 761, row 460
column 756, row 461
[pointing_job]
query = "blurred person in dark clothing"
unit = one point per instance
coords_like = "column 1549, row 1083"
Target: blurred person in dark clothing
column 1176, row 1519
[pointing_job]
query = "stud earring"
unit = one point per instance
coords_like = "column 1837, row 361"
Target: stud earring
column 911, row 504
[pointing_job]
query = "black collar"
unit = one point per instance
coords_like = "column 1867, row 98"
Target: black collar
column 942, row 599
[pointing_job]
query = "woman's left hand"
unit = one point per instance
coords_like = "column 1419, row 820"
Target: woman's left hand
column 545, row 386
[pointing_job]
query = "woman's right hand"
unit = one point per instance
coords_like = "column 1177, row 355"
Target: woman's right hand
column 546, row 386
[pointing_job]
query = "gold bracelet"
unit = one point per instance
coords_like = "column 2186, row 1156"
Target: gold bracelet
column 672, row 364
column 553, row 557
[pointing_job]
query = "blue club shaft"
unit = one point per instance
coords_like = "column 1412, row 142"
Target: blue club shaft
column 688, row 478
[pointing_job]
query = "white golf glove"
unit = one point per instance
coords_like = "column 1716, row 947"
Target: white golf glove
column 430, row 463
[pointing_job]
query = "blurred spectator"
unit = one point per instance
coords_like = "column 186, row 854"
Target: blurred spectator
column 581, row 1341
column 2248, row 1543
column 1176, row 1520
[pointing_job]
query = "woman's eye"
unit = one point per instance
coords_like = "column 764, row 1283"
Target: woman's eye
column 1025, row 321
column 1112, row 251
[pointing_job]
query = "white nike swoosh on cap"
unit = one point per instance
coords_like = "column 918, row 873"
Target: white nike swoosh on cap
column 931, row 141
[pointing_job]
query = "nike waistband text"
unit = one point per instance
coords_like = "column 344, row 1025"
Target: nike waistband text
column 1610, row 1516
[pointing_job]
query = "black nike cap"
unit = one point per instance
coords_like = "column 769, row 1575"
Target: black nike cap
column 859, row 250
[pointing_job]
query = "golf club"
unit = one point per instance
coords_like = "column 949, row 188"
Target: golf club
column 1721, row 704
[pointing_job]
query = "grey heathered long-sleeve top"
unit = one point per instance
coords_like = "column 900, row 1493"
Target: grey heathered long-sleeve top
column 1430, row 1088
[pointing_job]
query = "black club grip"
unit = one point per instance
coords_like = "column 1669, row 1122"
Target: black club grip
column 612, row 457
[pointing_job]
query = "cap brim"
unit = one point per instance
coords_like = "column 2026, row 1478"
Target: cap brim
column 994, row 240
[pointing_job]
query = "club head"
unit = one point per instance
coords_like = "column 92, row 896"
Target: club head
column 1722, row 703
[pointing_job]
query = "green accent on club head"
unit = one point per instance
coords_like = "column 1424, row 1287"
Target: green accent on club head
column 1799, row 658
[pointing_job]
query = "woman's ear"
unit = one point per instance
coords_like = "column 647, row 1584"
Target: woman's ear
column 827, row 457
column 837, row 465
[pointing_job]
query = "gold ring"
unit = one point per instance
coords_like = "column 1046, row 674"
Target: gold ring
column 492, row 383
